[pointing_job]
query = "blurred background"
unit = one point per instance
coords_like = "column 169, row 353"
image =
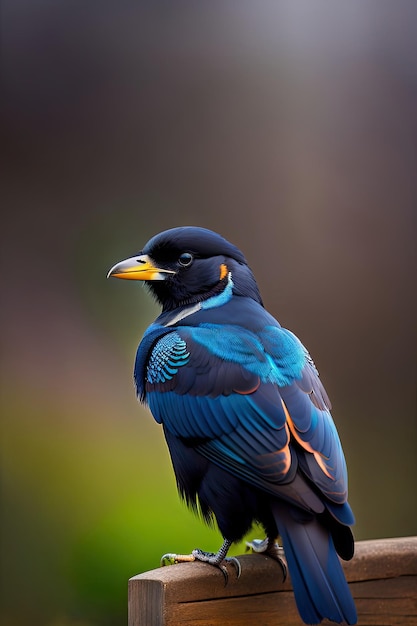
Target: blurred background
column 290, row 128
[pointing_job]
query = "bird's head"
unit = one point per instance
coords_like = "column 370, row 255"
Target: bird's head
column 186, row 265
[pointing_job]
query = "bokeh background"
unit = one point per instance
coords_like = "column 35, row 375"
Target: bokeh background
column 289, row 127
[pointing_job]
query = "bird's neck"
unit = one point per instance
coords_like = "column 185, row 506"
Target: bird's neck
column 239, row 281
column 217, row 295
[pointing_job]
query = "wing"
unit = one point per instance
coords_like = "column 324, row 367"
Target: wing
column 307, row 409
column 320, row 452
column 241, row 399
column 201, row 397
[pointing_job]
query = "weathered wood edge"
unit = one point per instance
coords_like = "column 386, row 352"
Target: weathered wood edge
column 188, row 582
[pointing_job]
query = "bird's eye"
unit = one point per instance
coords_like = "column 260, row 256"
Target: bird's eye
column 185, row 259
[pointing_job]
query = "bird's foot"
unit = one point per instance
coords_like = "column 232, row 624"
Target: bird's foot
column 212, row 558
column 271, row 548
column 217, row 559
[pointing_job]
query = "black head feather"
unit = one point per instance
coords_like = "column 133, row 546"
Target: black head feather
column 200, row 242
column 202, row 277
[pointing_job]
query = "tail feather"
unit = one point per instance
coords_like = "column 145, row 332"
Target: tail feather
column 319, row 584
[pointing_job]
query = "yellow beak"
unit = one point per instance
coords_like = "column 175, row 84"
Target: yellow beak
column 139, row 268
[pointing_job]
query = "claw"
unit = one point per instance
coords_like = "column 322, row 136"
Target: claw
column 225, row 573
column 234, row 561
column 270, row 548
column 217, row 560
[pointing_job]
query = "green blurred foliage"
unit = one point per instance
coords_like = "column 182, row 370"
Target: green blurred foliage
column 288, row 127
column 83, row 511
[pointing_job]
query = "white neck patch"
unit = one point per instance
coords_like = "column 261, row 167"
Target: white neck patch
column 185, row 313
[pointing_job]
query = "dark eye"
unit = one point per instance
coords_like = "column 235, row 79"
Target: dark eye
column 185, row 259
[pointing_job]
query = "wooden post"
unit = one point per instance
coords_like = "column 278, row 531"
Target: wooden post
column 382, row 577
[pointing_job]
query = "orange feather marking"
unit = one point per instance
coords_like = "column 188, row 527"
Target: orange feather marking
column 280, row 460
column 223, row 271
column 287, row 454
column 319, row 458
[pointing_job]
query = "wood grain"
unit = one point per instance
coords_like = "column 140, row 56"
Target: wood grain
column 382, row 577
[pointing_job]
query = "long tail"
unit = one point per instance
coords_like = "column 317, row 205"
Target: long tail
column 319, row 584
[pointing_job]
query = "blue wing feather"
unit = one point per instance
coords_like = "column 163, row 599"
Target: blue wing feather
column 274, row 354
column 323, row 459
column 241, row 394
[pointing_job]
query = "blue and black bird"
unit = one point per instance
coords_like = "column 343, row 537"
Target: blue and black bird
column 246, row 418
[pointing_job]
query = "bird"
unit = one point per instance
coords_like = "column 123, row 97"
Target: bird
column 245, row 415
